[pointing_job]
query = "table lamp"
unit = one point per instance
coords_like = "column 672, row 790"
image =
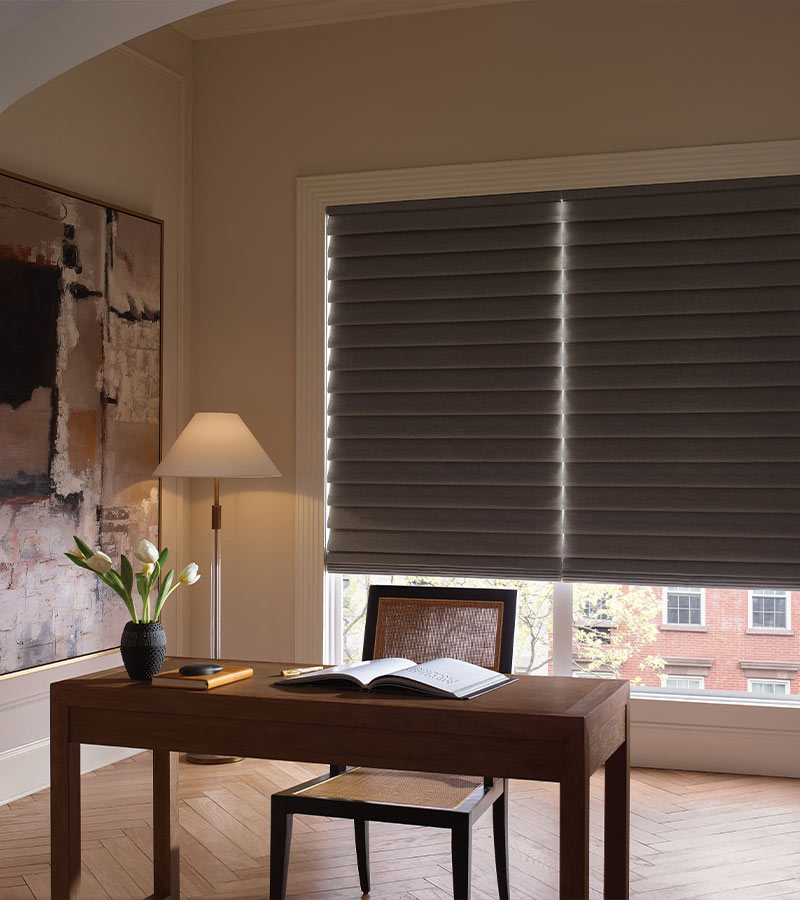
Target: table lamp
column 216, row 445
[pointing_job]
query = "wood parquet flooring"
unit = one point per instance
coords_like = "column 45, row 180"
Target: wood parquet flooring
column 694, row 836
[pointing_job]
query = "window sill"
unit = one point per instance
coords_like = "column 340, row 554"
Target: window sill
column 784, row 632
column 733, row 698
column 669, row 626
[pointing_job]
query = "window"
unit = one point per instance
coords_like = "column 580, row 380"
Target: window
column 767, row 687
column 769, row 609
column 682, row 683
column 684, row 606
column 630, row 521
column 533, row 644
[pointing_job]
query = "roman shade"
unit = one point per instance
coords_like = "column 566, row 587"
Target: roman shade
column 444, row 387
column 592, row 385
column 682, row 384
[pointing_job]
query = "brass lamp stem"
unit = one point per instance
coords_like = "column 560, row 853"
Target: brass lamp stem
column 216, row 576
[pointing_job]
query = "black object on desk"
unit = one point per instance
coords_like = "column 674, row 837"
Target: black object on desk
column 200, row 669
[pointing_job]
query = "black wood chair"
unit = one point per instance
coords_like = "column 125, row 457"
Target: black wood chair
column 418, row 623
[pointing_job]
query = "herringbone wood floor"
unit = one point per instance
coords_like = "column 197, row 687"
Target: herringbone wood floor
column 695, row 836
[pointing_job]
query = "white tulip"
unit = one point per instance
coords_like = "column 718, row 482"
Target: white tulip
column 146, row 570
column 147, row 552
column 190, row 574
column 99, row 563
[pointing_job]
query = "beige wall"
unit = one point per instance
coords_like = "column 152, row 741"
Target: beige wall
column 115, row 128
column 519, row 81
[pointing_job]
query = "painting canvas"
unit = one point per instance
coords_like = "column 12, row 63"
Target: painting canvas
column 80, row 306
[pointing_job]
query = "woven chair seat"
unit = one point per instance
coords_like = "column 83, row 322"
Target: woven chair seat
column 401, row 788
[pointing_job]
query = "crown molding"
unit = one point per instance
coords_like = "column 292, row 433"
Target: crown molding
column 251, row 16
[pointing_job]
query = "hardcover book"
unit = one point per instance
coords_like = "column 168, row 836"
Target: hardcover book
column 229, row 674
column 442, row 677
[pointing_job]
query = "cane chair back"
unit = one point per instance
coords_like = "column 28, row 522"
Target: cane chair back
column 475, row 625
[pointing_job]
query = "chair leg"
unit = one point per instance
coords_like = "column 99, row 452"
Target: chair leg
column 461, row 843
column 362, row 852
column 500, row 829
column 280, row 839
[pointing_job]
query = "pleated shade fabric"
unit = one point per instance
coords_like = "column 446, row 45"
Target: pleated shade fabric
column 595, row 385
column 682, row 384
column 444, row 387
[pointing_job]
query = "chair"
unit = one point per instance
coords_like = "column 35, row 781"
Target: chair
column 419, row 623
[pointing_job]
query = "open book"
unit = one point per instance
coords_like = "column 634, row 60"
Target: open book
column 443, row 677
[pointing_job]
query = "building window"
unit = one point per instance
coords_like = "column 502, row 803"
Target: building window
column 758, row 686
column 684, row 606
column 683, row 683
column 769, row 609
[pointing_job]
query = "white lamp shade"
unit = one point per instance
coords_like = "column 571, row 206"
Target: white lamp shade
column 217, row 445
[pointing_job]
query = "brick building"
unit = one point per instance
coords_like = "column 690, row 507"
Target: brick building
column 731, row 640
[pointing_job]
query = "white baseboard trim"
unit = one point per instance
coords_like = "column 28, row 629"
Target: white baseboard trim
column 715, row 737
column 25, row 770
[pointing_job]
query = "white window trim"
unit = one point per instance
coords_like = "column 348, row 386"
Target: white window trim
column 768, row 629
column 700, row 678
column 315, row 193
column 665, row 593
column 787, row 684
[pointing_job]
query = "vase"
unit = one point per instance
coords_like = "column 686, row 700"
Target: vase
column 143, row 647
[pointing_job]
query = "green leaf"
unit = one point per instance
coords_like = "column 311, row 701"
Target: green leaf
column 111, row 578
column 85, row 549
column 163, row 593
column 78, row 560
column 162, row 558
column 113, row 581
column 126, row 574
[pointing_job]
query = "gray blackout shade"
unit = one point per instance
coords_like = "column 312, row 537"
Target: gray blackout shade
column 675, row 312
column 682, row 384
column 444, row 387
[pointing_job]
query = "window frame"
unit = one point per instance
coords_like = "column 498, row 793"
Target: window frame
column 699, row 678
column 787, row 684
column 769, row 629
column 681, row 626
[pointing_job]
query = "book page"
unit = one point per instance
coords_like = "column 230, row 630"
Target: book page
column 362, row 673
column 449, row 676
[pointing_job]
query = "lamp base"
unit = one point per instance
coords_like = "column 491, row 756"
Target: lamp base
column 211, row 759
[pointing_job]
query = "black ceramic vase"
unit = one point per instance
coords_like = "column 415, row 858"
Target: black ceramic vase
column 143, row 647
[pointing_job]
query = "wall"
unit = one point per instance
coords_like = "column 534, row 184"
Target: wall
column 526, row 80
column 115, row 128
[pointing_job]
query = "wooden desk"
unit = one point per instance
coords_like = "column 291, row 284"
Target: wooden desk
column 544, row 729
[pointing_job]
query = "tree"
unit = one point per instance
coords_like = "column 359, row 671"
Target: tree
column 614, row 624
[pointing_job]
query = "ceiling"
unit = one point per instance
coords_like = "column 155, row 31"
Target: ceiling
column 40, row 39
column 14, row 13
column 248, row 16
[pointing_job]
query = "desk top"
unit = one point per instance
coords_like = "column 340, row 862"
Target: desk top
column 530, row 696
column 533, row 712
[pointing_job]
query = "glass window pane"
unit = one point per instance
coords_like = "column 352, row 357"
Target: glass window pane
column 769, row 609
column 639, row 640
column 532, row 650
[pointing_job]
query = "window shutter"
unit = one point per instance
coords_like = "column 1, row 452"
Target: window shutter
column 444, row 387
column 682, row 384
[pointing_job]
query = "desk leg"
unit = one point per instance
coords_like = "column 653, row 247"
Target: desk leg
column 574, row 836
column 65, row 807
column 617, row 822
column 166, row 856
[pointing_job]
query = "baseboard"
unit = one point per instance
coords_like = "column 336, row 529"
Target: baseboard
column 25, row 770
column 715, row 738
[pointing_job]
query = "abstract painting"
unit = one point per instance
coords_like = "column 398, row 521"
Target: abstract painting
column 80, row 374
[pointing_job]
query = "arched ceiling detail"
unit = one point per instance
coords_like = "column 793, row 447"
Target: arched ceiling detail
column 40, row 39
